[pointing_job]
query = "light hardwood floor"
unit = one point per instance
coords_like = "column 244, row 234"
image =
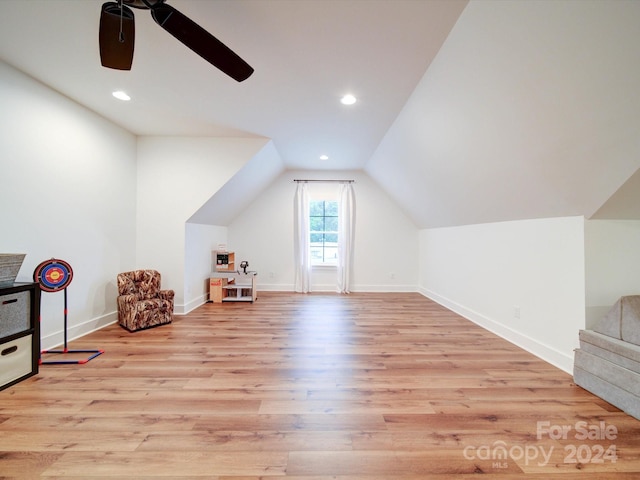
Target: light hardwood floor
column 310, row 387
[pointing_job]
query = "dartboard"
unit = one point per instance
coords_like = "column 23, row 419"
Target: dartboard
column 53, row 275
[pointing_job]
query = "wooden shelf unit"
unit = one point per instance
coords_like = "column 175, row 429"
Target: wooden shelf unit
column 225, row 261
column 232, row 287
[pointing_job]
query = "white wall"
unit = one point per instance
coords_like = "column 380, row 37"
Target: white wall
column 386, row 243
column 247, row 184
column 484, row 272
column 612, row 252
column 176, row 176
column 200, row 241
column 67, row 190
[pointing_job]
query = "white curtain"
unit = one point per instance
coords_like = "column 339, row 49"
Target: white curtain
column 302, row 262
column 346, row 231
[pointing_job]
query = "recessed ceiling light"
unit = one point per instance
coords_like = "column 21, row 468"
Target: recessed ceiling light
column 120, row 95
column 324, row 157
column 348, row 99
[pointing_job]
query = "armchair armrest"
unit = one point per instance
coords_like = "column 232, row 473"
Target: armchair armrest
column 166, row 294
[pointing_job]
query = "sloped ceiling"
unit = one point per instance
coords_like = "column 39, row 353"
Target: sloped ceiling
column 306, row 55
column 624, row 204
column 468, row 113
column 238, row 193
column 531, row 109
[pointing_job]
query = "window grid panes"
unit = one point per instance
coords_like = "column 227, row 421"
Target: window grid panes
column 323, row 221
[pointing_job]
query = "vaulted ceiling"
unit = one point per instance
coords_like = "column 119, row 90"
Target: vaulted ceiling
column 531, row 109
column 467, row 113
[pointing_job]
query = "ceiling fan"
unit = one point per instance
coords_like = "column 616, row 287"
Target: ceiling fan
column 117, row 36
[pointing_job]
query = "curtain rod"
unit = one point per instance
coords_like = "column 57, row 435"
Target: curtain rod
column 325, row 181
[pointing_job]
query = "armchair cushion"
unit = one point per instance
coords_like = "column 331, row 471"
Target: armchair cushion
column 141, row 302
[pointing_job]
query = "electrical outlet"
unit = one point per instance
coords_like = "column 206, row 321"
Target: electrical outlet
column 392, row 276
column 516, row 312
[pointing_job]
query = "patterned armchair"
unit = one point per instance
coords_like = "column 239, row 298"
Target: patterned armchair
column 141, row 303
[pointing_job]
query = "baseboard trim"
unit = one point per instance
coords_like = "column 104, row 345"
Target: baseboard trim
column 74, row 332
column 332, row 288
column 191, row 305
column 550, row 355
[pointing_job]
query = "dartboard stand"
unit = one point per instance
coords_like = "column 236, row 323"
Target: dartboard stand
column 52, row 276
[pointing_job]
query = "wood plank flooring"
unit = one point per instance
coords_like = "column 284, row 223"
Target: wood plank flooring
column 311, row 387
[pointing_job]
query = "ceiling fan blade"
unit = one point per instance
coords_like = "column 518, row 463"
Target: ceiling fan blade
column 200, row 41
column 116, row 36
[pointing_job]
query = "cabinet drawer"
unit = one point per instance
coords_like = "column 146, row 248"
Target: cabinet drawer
column 15, row 359
column 15, row 314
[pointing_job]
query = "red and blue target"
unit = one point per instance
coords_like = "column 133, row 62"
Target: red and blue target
column 53, row 275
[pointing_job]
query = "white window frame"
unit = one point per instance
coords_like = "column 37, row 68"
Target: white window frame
column 323, row 262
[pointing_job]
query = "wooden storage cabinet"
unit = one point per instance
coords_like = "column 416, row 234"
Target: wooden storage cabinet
column 19, row 332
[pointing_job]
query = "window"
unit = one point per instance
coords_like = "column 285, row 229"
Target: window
column 323, row 222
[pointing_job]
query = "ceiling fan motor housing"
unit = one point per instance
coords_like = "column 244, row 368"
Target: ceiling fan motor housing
column 144, row 4
column 116, row 36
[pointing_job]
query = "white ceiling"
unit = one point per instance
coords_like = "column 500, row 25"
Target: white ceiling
column 306, row 55
column 468, row 112
column 530, row 110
